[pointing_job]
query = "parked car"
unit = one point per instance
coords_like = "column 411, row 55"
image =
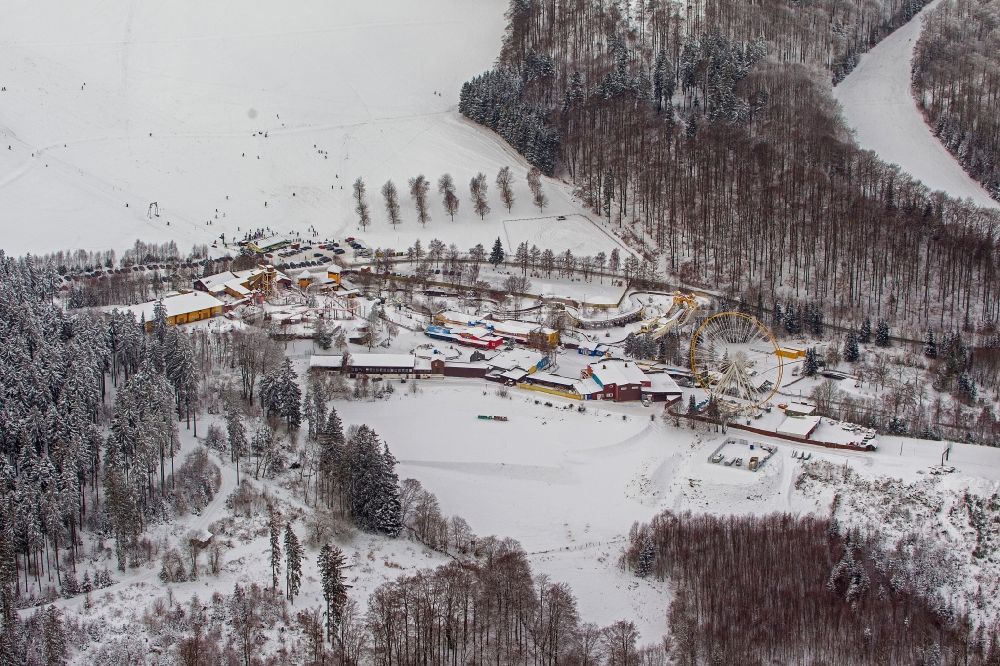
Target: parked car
column 339, row 250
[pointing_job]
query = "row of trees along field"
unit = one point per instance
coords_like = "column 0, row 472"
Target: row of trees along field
column 419, row 187
column 956, row 81
column 711, row 137
column 800, row 589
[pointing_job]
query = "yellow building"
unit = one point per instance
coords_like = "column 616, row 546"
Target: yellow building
column 791, row 353
column 181, row 308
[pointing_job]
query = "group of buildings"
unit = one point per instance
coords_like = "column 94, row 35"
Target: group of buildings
column 214, row 295
column 614, row 379
column 485, row 333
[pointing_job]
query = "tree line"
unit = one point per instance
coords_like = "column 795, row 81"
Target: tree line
column 419, row 189
column 798, row 589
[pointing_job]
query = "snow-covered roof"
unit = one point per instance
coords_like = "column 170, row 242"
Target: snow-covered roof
column 662, row 383
column 515, row 374
column 369, row 361
column 251, row 272
column 587, row 386
column 516, row 358
column 237, row 285
column 800, row 409
column 618, row 371
column 459, row 317
column 269, row 241
column 217, row 282
column 798, row 426
column 515, row 327
column 549, row 378
column 326, row 361
column 178, row 304
column 468, row 364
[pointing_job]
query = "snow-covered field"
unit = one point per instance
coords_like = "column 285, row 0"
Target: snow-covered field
column 568, row 485
column 213, row 109
column 878, row 104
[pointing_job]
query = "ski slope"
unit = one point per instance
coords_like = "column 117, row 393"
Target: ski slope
column 213, row 109
column 878, row 104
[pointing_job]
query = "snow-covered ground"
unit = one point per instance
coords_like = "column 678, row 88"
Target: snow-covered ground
column 878, row 104
column 213, row 109
column 568, row 485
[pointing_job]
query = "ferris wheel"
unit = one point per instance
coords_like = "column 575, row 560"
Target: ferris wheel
column 736, row 359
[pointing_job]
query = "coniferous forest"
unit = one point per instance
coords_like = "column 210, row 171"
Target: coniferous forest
column 711, row 138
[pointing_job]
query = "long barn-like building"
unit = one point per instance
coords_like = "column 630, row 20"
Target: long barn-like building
column 180, row 308
column 393, row 365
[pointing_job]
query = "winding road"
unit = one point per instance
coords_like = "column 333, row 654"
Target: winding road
column 878, row 105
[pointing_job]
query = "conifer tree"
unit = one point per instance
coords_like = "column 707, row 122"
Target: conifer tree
column 324, row 338
column 274, row 528
column 810, row 365
column 332, row 462
column 293, row 563
column 54, row 646
column 815, row 320
column 497, row 254
column 930, row 345
column 373, row 486
column 882, row 333
column 280, row 394
column 237, row 436
column 647, row 557
column 865, row 333
column 331, row 570
column 851, row 351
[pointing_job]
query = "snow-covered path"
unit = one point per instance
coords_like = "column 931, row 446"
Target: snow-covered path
column 877, row 103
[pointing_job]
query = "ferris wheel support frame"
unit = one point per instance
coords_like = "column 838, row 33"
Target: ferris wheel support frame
column 702, row 378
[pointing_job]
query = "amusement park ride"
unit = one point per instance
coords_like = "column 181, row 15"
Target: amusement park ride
column 677, row 315
column 737, row 360
column 734, row 357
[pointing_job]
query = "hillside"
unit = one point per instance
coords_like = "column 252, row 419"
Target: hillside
column 879, row 106
column 213, row 110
